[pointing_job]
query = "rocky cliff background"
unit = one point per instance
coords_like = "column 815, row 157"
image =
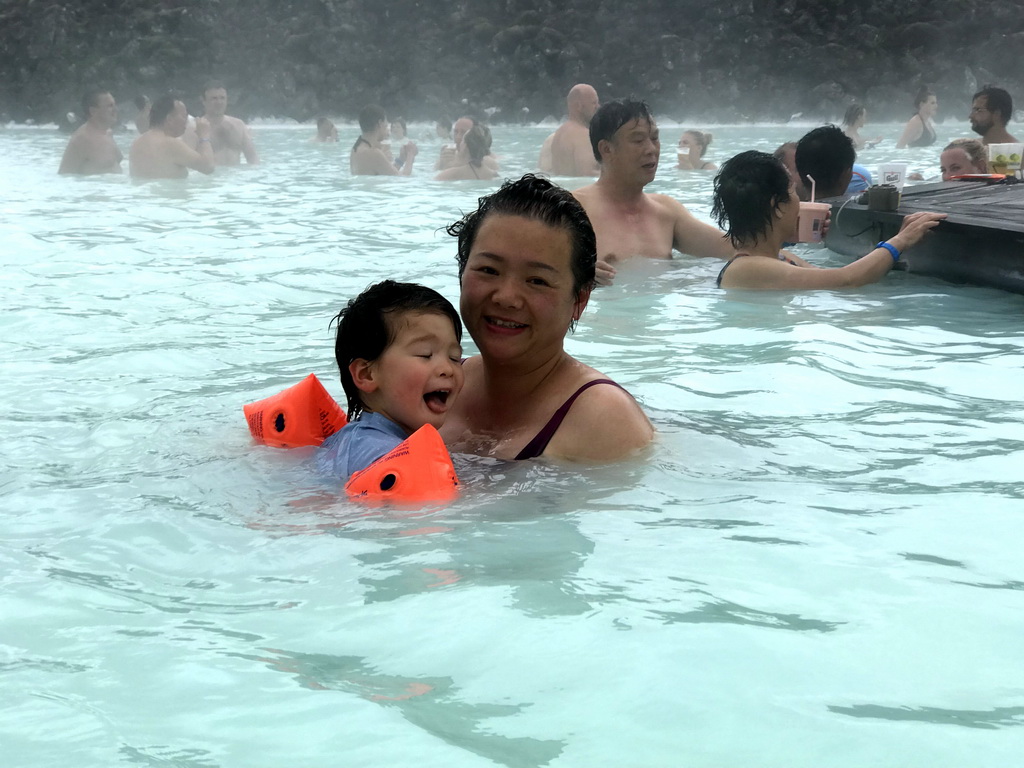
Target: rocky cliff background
column 762, row 60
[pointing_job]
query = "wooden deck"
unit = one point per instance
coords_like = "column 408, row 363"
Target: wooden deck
column 981, row 242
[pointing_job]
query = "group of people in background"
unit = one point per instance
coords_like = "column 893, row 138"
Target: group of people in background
column 169, row 143
column 531, row 254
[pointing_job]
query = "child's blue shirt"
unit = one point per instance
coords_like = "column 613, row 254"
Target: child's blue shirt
column 358, row 444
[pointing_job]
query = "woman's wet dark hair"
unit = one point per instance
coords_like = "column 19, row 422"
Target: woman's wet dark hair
column 478, row 142
column 366, row 326
column 612, row 116
column 922, row 96
column 536, row 198
column 703, row 139
column 853, row 114
column 748, row 191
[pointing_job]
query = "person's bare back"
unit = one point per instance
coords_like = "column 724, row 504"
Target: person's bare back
column 571, row 153
column 155, row 155
column 160, row 153
column 568, row 151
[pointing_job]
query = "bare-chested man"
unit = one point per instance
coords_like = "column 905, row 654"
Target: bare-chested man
column 229, row 136
column 368, row 157
column 991, row 110
column 91, row 148
column 567, row 151
column 160, row 153
column 628, row 221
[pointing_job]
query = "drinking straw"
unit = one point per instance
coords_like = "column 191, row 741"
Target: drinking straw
column 812, row 187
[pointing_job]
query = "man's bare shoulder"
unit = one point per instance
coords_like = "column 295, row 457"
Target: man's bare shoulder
column 664, row 201
column 571, row 128
column 80, row 134
column 587, row 192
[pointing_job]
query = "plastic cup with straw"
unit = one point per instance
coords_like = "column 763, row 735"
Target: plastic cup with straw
column 811, row 221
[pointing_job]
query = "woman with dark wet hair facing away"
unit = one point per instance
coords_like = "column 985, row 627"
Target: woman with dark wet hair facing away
column 854, row 119
column 756, row 204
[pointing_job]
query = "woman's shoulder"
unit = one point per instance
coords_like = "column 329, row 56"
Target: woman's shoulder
column 604, row 422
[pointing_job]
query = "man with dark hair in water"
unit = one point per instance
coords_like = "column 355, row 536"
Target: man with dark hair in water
column 991, row 110
column 628, row 221
column 368, row 157
column 160, row 153
column 91, row 148
column 826, row 154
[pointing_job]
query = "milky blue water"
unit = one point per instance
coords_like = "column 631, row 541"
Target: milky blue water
column 818, row 562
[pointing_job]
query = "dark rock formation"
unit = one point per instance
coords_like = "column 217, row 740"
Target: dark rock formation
column 420, row 58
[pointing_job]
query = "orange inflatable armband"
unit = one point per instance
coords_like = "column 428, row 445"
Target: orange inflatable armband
column 417, row 470
column 304, row 414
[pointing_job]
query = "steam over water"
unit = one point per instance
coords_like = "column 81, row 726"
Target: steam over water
column 818, row 563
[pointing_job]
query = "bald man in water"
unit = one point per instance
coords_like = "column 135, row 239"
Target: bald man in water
column 629, row 222
column 160, row 153
column 91, row 148
column 567, row 151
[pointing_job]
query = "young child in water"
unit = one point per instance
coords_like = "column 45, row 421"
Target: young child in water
column 399, row 353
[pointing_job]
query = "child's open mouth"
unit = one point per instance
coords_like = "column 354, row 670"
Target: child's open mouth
column 437, row 401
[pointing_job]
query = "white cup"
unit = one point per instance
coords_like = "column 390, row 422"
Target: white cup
column 893, row 173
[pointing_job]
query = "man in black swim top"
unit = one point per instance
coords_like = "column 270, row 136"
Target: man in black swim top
column 368, row 157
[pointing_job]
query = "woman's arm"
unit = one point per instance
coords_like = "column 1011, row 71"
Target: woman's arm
column 763, row 274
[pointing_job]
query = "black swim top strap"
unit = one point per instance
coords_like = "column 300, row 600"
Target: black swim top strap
column 718, row 282
column 539, row 444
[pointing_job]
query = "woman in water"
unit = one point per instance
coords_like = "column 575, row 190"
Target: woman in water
column 963, row 156
column 855, row 118
column 526, row 266
column 757, row 206
column 471, row 157
column 326, row 131
column 920, row 129
column 692, row 146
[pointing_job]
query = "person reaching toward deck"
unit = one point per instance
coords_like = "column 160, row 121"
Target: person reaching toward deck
column 755, row 201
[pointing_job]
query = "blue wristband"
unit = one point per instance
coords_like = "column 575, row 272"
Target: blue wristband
column 891, row 249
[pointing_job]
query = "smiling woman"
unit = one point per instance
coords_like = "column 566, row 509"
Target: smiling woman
column 526, row 265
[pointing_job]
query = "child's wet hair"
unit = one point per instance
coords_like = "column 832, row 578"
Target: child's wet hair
column 367, row 326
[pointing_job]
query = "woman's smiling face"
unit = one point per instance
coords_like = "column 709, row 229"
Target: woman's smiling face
column 517, row 288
